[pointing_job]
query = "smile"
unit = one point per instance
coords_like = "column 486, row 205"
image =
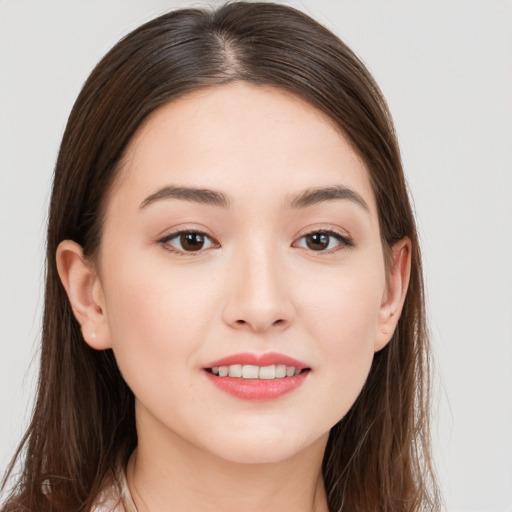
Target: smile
column 257, row 376
column 249, row 371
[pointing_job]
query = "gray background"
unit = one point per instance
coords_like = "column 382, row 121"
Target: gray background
column 446, row 69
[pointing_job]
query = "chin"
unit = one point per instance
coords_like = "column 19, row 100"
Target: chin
column 249, row 455
column 271, row 448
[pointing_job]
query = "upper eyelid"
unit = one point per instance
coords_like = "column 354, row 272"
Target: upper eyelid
column 336, row 232
column 174, row 234
column 344, row 242
column 165, row 242
column 328, row 230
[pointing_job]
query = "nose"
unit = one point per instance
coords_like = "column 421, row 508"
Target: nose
column 258, row 297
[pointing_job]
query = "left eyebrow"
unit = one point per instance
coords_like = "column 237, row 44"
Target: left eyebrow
column 318, row 195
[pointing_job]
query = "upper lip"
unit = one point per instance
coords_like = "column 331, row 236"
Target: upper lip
column 266, row 359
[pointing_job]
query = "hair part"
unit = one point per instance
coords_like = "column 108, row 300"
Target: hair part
column 83, row 425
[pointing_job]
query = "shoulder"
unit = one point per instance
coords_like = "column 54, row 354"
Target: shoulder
column 109, row 500
column 115, row 496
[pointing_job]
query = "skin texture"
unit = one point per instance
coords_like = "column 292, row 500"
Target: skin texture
column 254, row 287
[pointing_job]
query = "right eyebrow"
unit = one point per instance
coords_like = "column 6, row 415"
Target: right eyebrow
column 197, row 195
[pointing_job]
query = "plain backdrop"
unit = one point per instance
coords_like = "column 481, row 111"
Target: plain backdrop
column 446, row 70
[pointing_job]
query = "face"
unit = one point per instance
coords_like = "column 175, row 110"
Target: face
column 241, row 237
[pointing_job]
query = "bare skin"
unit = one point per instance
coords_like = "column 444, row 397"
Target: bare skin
column 286, row 258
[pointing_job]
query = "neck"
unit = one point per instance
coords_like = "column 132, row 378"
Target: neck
column 167, row 473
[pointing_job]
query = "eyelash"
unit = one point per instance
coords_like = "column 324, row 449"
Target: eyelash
column 344, row 241
column 177, row 234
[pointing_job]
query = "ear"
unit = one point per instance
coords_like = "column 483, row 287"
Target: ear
column 394, row 295
column 85, row 293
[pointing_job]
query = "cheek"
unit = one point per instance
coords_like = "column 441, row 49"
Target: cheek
column 157, row 318
column 342, row 318
column 344, row 312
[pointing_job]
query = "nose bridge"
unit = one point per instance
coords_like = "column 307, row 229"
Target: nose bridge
column 259, row 297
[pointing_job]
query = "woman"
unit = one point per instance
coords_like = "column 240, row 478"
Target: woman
column 234, row 309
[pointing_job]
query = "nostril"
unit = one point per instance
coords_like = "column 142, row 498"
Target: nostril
column 260, row 321
column 280, row 321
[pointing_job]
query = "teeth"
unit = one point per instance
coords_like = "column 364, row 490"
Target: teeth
column 235, row 370
column 280, row 371
column 250, row 371
column 267, row 372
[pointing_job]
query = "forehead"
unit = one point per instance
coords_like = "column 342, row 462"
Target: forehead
column 243, row 139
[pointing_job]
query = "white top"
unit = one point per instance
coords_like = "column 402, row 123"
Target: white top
column 116, row 497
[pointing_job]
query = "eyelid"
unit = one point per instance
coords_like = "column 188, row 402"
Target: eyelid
column 164, row 241
column 345, row 240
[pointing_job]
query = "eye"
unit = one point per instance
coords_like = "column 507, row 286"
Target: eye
column 187, row 241
column 327, row 241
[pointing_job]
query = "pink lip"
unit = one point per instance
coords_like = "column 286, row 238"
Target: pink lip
column 266, row 359
column 258, row 389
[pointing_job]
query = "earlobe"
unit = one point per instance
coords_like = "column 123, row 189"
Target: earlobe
column 85, row 294
column 394, row 295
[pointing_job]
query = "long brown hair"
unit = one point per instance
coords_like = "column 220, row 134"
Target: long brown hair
column 83, row 426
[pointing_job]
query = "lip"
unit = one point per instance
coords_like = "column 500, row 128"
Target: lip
column 267, row 359
column 258, row 389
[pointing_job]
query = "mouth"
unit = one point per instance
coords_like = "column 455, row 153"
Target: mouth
column 257, row 377
column 250, row 371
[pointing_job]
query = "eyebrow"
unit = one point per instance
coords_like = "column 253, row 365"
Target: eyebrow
column 197, row 195
column 311, row 197
column 211, row 197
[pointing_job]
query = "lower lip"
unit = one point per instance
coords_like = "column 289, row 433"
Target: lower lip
column 258, row 389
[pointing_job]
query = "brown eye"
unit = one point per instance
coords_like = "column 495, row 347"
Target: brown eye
column 317, row 241
column 192, row 241
column 187, row 241
column 323, row 241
